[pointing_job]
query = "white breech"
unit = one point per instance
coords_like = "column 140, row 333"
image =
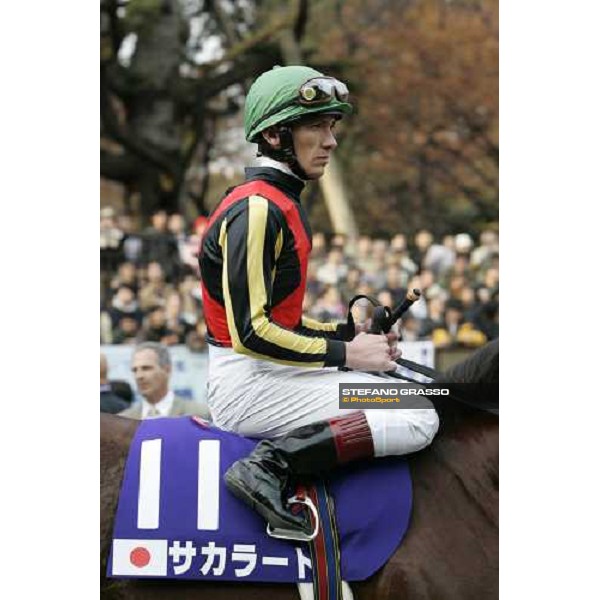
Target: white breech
column 258, row 398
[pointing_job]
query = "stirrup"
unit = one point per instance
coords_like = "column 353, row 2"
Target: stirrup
column 292, row 534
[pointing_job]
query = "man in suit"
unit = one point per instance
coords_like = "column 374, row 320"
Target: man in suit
column 151, row 366
column 109, row 401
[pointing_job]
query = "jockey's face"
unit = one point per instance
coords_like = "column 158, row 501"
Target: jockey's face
column 314, row 141
column 152, row 380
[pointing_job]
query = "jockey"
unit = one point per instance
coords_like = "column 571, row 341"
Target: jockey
column 272, row 371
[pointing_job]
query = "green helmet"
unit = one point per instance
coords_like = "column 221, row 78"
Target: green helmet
column 280, row 95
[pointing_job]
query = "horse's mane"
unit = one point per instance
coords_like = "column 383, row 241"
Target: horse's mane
column 482, row 367
column 474, row 382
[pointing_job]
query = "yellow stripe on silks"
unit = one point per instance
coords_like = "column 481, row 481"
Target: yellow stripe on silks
column 317, row 325
column 279, row 244
column 258, row 210
column 235, row 338
column 278, row 247
column 233, row 332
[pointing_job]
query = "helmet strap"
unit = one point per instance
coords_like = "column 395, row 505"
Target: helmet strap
column 287, row 146
column 285, row 153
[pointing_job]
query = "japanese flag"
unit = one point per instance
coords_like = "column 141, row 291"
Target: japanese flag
column 139, row 557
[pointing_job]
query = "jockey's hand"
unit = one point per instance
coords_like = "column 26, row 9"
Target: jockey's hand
column 369, row 352
column 362, row 327
column 392, row 340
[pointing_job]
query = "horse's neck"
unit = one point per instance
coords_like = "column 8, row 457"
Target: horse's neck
column 466, row 453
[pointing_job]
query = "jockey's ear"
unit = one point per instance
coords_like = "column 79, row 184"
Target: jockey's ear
column 272, row 137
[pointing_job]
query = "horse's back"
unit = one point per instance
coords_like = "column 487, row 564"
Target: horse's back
column 116, row 434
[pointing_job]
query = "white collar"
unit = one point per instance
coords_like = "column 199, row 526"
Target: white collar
column 163, row 406
column 265, row 161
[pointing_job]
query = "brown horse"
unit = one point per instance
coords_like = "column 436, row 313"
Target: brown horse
column 451, row 548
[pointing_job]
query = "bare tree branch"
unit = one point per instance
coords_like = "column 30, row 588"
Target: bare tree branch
column 142, row 149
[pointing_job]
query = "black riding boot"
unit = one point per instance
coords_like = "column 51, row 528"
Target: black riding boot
column 265, row 479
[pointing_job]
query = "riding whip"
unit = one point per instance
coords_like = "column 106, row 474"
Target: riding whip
column 384, row 318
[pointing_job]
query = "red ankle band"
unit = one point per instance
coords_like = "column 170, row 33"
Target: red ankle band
column 352, row 437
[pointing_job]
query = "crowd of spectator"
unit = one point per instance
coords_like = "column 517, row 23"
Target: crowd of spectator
column 150, row 282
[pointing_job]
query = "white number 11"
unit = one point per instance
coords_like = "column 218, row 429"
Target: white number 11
column 209, row 452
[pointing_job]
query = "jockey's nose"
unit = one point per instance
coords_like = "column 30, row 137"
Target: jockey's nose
column 330, row 142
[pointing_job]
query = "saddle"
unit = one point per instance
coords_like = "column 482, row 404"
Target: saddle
column 175, row 519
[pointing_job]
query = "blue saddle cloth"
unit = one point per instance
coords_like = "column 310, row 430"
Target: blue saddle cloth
column 175, row 518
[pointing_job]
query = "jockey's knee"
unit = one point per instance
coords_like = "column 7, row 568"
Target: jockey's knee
column 402, row 431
